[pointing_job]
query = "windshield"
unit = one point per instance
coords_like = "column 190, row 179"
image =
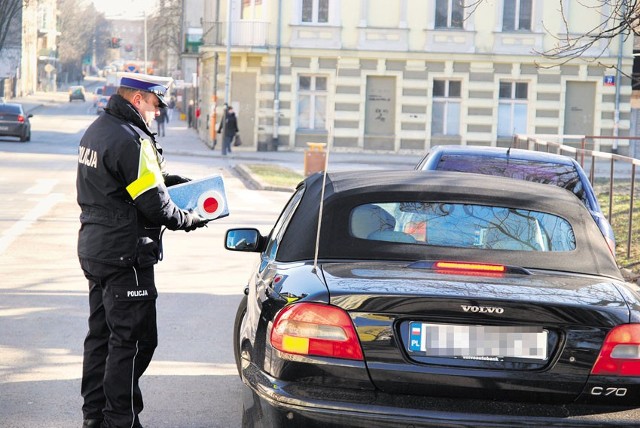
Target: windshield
column 560, row 175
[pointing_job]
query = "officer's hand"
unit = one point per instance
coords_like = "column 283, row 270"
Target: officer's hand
column 194, row 221
column 173, row 179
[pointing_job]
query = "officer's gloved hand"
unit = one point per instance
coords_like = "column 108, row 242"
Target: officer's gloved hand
column 173, row 179
column 194, row 221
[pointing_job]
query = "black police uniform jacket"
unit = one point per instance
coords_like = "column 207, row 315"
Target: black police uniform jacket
column 121, row 190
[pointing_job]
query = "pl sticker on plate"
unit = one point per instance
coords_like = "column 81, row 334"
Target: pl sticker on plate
column 415, row 336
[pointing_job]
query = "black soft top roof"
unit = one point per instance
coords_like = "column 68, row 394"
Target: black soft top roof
column 348, row 189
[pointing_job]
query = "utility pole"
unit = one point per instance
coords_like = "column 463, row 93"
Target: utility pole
column 616, row 117
column 227, row 72
column 276, row 98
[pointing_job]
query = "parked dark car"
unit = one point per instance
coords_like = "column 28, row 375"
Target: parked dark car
column 542, row 167
column 76, row 93
column 14, row 122
column 505, row 308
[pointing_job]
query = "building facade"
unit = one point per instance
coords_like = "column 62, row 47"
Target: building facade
column 47, row 45
column 406, row 75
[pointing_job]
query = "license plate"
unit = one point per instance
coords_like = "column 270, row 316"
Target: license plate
column 477, row 341
column 4, row 128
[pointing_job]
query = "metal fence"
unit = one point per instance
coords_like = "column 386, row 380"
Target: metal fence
column 611, row 171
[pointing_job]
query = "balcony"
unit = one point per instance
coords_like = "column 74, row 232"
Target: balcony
column 243, row 33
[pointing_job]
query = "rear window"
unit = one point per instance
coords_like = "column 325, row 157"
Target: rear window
column 10, row 108
column 461, row 225
column 110, row 90
column 557, row 174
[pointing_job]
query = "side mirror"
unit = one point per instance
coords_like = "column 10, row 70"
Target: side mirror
column 29, row 115
column 248, row 240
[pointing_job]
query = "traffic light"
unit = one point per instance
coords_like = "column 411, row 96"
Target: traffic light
column 114, row 42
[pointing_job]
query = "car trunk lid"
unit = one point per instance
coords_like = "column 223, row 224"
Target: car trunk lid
column 515, row 336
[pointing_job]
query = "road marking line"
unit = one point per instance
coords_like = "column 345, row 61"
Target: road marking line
column 20, row 226
column 42, row 187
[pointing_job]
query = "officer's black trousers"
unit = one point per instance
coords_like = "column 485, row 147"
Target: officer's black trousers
column 120, row 343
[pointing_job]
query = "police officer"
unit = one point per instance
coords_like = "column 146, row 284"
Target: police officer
column 122, row 192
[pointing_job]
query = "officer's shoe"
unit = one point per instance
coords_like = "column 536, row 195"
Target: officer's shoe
column 92, row 423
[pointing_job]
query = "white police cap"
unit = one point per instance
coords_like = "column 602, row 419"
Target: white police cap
column 157, row 85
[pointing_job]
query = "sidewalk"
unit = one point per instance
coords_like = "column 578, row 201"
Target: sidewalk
column 181, row 140
column 184, row 141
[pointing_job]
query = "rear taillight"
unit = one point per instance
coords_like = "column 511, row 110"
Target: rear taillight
column 475, row 267
column 466, row 268
column 315, row 329
column 20, row 118
column 620, row 353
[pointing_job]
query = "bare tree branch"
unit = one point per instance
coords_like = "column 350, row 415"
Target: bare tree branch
column 77, row 24
column 164, row 37
column 8, row 11
column 619, row 18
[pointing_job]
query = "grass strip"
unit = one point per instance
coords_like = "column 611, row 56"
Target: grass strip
column 275, row 175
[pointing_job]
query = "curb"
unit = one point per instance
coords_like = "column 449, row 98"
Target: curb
column 256, row 183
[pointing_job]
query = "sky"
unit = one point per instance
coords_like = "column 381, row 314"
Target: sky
column 126, row 8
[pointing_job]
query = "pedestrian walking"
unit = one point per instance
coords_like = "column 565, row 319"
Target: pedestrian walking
column 161, row 120
column 171, row 107
column 228, row 124
column 191, row 114
column 122, row 192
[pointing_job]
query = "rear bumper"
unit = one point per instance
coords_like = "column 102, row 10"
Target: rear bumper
column 270, row 402
column 10, row 130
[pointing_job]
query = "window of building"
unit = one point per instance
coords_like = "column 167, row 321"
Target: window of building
column 512, row 108
column 516, row 15
column 315, row 11
column 251, row 9
column 312, row 102
column 445, row 119
column 449, row 13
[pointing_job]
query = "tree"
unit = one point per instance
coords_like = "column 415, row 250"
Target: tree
column 8, row 11
column 101, row 33
column 165, row 28
column 617, row 18
column 77, row 23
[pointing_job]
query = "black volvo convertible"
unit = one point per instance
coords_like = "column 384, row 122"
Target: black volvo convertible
column 428, row 298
